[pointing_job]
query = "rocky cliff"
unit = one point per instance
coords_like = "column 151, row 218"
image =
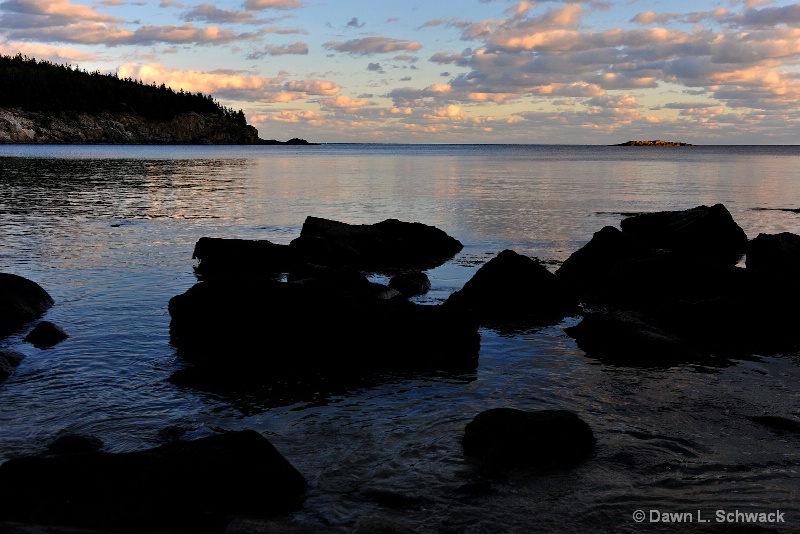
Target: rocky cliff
column 19, row 126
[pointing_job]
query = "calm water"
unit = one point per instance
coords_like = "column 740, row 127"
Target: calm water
column 109, row 232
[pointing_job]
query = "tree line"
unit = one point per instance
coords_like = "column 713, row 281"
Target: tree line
column 48, row 87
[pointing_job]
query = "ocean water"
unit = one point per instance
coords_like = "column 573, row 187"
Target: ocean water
column 109, row 231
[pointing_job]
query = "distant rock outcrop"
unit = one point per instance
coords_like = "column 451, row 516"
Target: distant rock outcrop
column 18, row 126
column 655, row 142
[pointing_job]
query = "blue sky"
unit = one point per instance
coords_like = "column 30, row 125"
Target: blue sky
column 473, row 71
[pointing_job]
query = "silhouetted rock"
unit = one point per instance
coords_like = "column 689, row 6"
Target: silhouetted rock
column 342, row 278
column 75, row 444
column 411, row 283
column 21, row 301
column 703, row 233
column 506, row 437
column 390, row 243
column 512, row 286
column 186, row 485
column 252, row 330
column 591, row 269
column 45, row 335
column 628, row 338
column 774, row 254
column 9, row 360
column 237, row 257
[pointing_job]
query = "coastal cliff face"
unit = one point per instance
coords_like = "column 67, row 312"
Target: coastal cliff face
column 19, row 126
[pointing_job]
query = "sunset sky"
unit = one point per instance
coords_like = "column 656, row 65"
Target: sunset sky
column 467, row 71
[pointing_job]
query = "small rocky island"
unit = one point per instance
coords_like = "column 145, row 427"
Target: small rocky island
column 655, row 142
column 45, row 103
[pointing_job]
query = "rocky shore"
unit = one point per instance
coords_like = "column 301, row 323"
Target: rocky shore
column 19, row 126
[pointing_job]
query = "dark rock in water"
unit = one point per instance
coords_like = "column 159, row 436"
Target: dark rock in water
column 21, row 301
column 589, row 270
column 236, row 257
column 627, row 338
column 707, row 233
column 514, row 286
column 411, row 283
column 9, row 360
column 774, row 254
column 342, row 278
column 253, row 330
column 186, row 485
column 75, row 444
column 45, row 335
column 390, row 243
column 507, row 437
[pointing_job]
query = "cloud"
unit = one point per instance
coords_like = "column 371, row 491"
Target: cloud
column 55, row 12
column 768, row 16
column 375, row 67
column 229, row 85
column 258, row 5
column 54, row 54
column 372, row 45
column 354, row 23
column 452, row 23
column 297, row 48
column 343, row 102
column 210, row 13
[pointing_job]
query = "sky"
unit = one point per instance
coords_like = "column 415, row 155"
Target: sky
column 435, row 71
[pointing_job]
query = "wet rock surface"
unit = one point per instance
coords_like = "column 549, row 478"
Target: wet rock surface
column 183, row 485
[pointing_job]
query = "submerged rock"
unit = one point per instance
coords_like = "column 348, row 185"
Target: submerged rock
column 506, row 437
column 186, row 485
column 512, row 286
column 21, row 301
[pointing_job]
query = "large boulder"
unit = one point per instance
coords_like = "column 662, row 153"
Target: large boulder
column 774, row 255
column 506, row 437
column 21, row 301
column 390, row 243
column 590, row 269
column 187, row 485
column 703, row 232
column 249, row 331
column 512, row 286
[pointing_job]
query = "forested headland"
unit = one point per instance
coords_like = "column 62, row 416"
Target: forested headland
column 44, row 86
column 44, row 102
